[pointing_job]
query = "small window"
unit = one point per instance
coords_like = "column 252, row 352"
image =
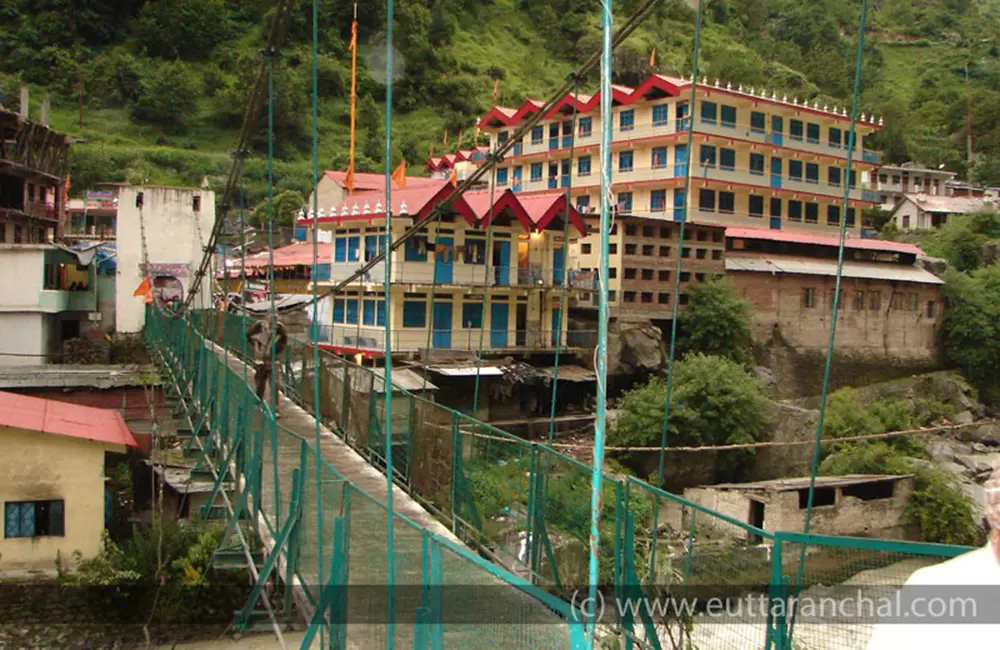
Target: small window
column 625, row 162
column 647, row 297
column 585, row 127
column 663, row 276
column 911, row 302
column 699, row 277
column 833, row 299
column 686, row 253
column 663, row 298
column 795, row 129
column 472, row 315
column 665, row 233
column 728, row 116
column 812, row 212
column 612, row 272
column 727, row 159
column 630, row 230
column 822, row 496
column 870, row 491
column 702, row 235
column 683, row 299
column 138, row 199
column 626, row 120
column 812, row 133
column 685, row 276
column 795, row 210
column 585, row 249
column 647, row 274
column 756, row 206
column 757, row 122
column 648, row 231
column 612, row 296
column 537, row 135
column 612, row 249
column 664, row 251
column 630, row 274
column 196, row 203
column 34, row 519
column 808, row 297
column 716, row 255
column 812, row 173
column 717, row 236
column 700, row 253
column 775, row 206
column 757, row 164
column 657, row 203
column 628, row 296
column 833, row 176
column 706, row 156
column 859, row 300
column 727, row 202
column 795, row 170
column 661, row 114
column 414, row 314
column 709, row 112
column 833, row 214
column 648, row 250
column 874, row 300
column 931, row 309
column 631, row 249
column 706, row 200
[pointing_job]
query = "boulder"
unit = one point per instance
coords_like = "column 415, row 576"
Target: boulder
column 636, row 347
column 985, row 433
column 767, row 380
column 935, row 265
column 963, row 418
column 975, row 465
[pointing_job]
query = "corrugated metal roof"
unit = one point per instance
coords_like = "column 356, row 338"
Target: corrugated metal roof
column 373, row 380
column 949, row 204
column 787, row 484
column 821, row 240
column 469, row 371
column 64, row 419
column 860, row 270
column 570, row 372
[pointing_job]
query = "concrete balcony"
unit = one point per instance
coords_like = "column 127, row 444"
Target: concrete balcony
column 56, row 301
column 413, row 340
column 460, row 274
column 787, row 141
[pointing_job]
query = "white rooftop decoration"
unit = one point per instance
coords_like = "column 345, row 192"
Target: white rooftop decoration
column 774, row 94
column 322, row 213
column 355, row 209
column 378, row 207
column 784, row 98
column 863, row 118
column 729, row 85
column 751, row 90
column 367, row 209
column 403, row 209
column 881, row 122
column 344, row 211
column 740, row 89
column 795, row 100
column 716, row 82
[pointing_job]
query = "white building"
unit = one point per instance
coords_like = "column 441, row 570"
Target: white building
column 173, row 225
column 920, row 211
column 894, row 182
column 48, row 297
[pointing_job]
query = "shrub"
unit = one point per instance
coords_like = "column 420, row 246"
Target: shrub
column 717, row 322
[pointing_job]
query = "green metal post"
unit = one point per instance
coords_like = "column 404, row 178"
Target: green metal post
column 390, row 546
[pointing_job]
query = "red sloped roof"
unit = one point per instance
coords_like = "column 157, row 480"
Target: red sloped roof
column 857, row 243
column 297, row 254
column 375, row 182
column 625, row 96
column 64, row 419
column 419, row 202
column 537, row 211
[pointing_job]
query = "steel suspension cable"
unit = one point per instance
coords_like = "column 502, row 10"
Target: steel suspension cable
column 565, row 265
column 597, row 473
column 387, row 381
column 851, row 135
column 486, row 292
column 273, row 377
column 314, row 276
column 671, row 357
column 430, row 319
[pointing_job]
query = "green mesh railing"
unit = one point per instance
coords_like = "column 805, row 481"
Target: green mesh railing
column 526, row 506
column 435, row 580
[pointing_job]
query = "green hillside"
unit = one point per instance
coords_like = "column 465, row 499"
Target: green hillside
column 163, row 83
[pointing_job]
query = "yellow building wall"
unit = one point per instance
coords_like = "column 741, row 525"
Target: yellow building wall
column 40, row 467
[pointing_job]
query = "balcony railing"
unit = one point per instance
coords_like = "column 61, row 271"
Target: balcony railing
column 57, row 300
column 372, row 339
column 464, row 274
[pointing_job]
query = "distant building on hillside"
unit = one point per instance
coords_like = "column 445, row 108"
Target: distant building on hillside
column 889, row 307
column 893, row 182
column 920, row 211
column 463, row 163
column 759, row 159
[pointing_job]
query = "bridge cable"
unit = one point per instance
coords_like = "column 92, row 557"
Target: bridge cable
column 671, row 358
column 486, row 290
column 836, row 307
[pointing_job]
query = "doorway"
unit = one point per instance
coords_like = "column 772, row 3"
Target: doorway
column 756, row 519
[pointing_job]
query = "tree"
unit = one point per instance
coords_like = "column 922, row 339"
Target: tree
column 715, row 401
column 286, row 205
column 717, row 322
column 181, row 29
column 972, row 322
column 961, row 239
column 168, row 94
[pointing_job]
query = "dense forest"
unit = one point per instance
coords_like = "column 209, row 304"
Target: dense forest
column 157, row 88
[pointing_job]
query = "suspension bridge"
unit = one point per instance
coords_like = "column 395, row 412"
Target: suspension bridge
column 380, row 519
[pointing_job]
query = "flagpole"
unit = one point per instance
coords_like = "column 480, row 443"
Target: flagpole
column 349, row 180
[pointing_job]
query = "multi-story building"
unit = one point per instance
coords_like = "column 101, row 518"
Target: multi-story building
column 463, row 163
column 32, row 177
column 893, row 182
column 757, row 159
column 93, row 218
column 920, row 211
column 439, row 276
column 332, row 187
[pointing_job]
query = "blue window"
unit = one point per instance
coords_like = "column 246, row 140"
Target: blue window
column 33, row 519
column 536, row 171
column 833, row 176
column 757, row 122
column 472, row 315
column 373, row 313
column 756, row 206
column 757, row 163
column 795, row 170
column 812, row 173
column 583, row 203
column 502, row 138
column 728, row 115
column 832, row 214
column 775, row 206
column 625, row 202
column 658, row 200
column 850, row 216
column 795, row 129
column 727, row 159
column 338, row 310
column 661, row 114
column 537, row 135
column 659, row 157
column 586, row 127
column 374, row 244
column 625, row 161
column 415, row 249
column 353, row 249
column 626, row 120
column 706, row 199
column 502, row 176
column 352, row 312
column 709, row 112
column 340, row 249
column 727, row 202
column 583, row 166
column 812, row 132
column 836, row 135
column 812, row 212
column 706, row 155
column 414, row 313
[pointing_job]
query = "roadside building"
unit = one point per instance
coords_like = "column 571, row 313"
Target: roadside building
column 94, row 217
column 889, row 306
column 868, row 505
column 920, row 211
column 757, row 159
column 893, row 182
column 642, row 261
column 439, row 275
column 52, row 479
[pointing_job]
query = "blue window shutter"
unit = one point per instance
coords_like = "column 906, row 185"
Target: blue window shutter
column 338, row 310
column 380, row 313
column 352, row 312
column 368, row 313
column 12, row 520
column 340, row 250
column 27, row 520
column 353, row 249
column 56, row 520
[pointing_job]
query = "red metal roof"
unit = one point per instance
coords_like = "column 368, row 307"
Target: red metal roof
column 373, row 182
column 625, row 95
column 537, row 211
column 63, row 419
column 418, row 203
column 297, row 254
column 857, row 243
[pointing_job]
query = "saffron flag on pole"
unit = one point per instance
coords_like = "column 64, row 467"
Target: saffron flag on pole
column 652, row 58
column 453, row 179
column 399, row 176
column 445, row 139
column 144, row 288
column 349, row 177
column 496, row 88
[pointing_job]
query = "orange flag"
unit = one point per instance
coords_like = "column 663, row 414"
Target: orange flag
column 453, row 179
column 399, row 176
column 349, row 179
column 144, row 288
column 496, row 88
column 652, row 58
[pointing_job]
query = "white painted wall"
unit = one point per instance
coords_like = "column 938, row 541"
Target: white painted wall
column 22, row 267
column 24, row 334
column 174, row 234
